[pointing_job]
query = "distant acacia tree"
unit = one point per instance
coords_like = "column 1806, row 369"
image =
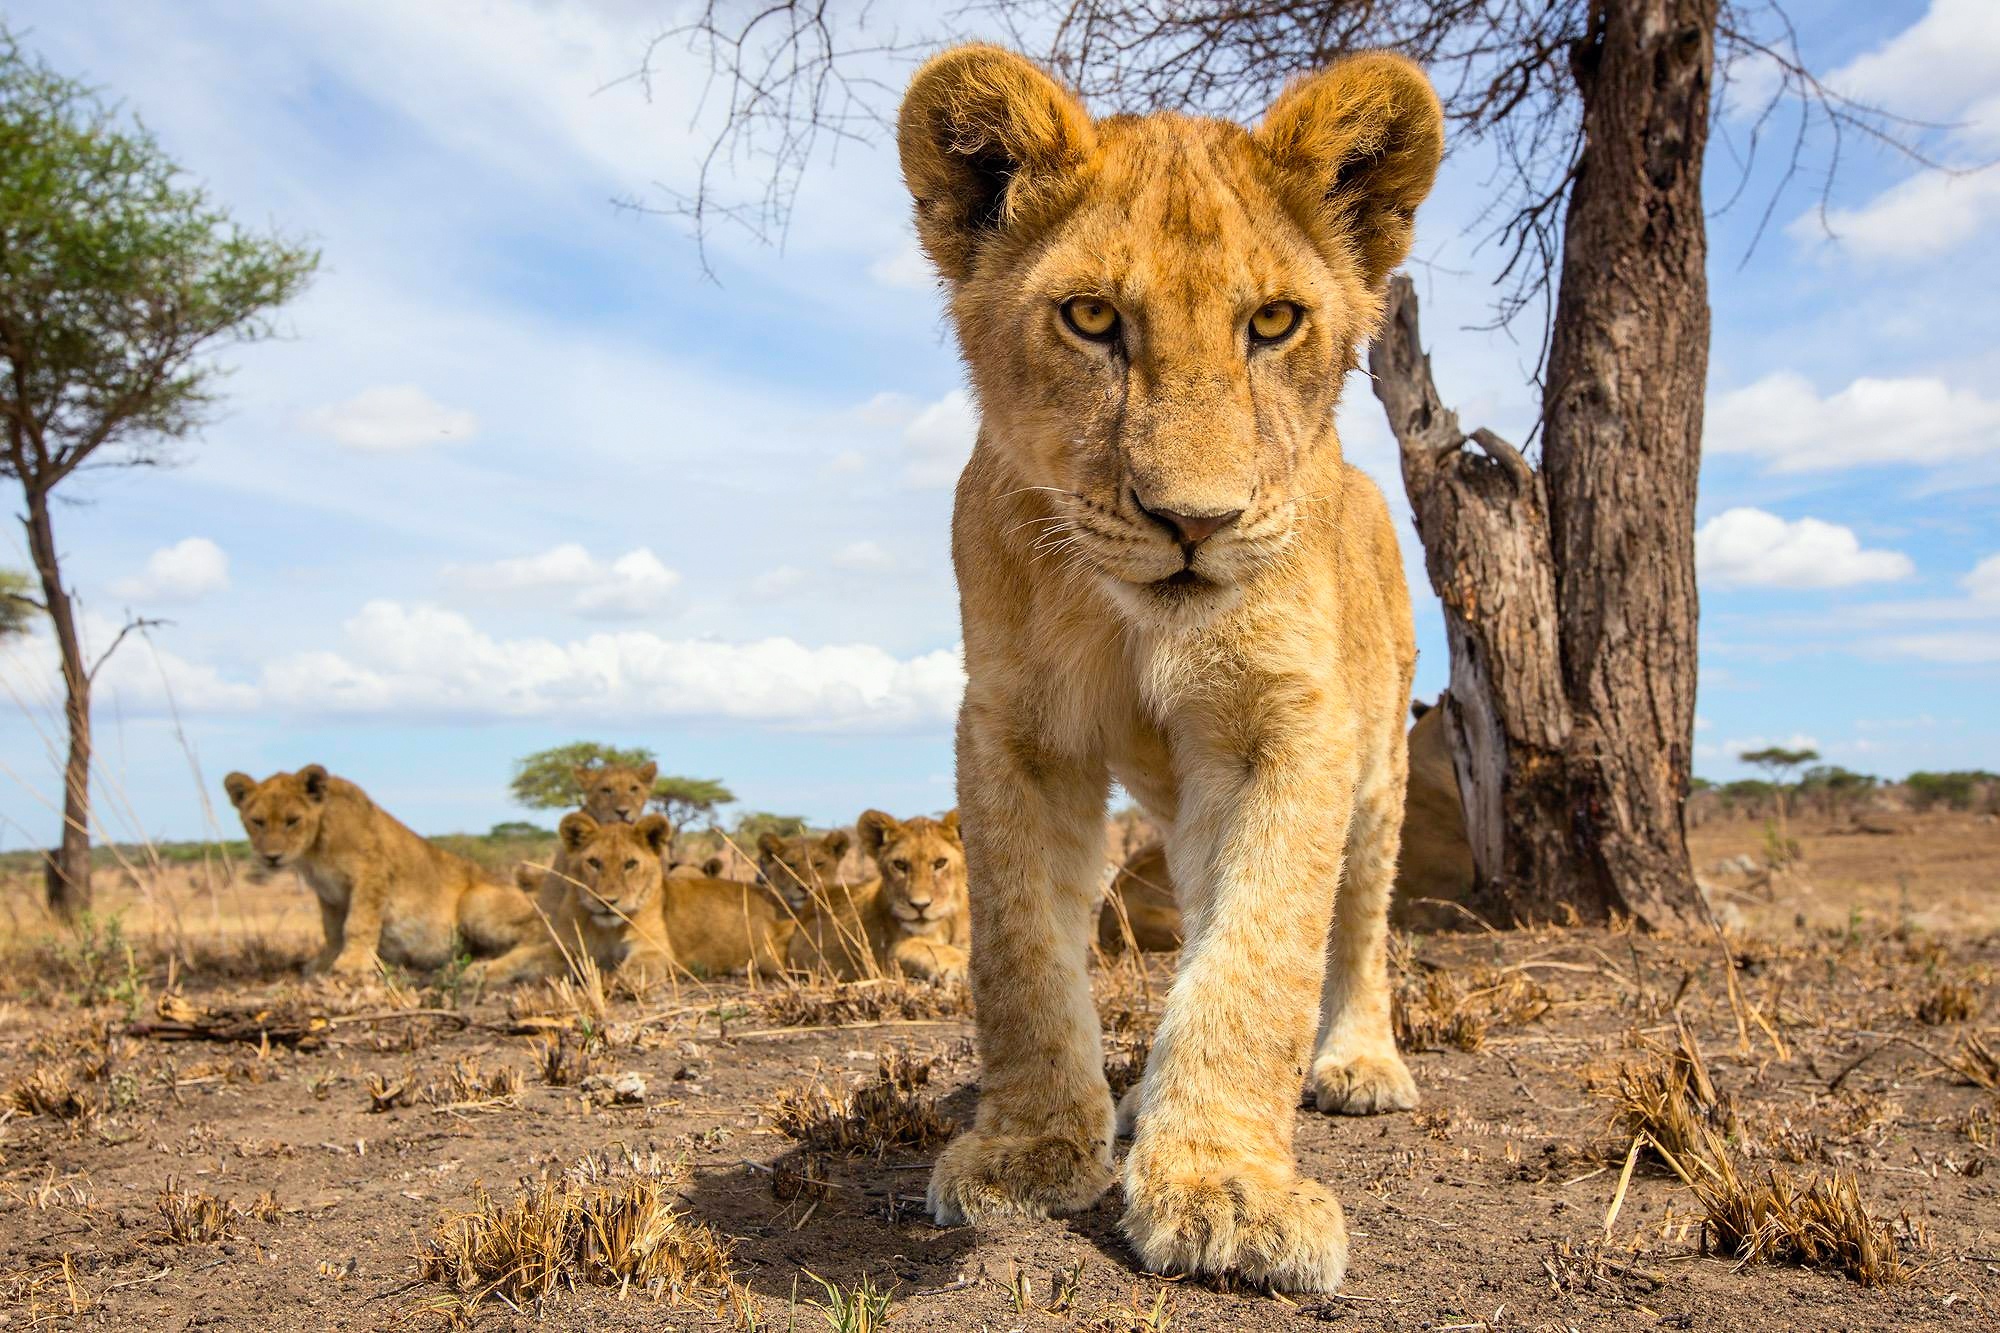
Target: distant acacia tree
column 546, row 779
column 754, row 824
column 682, row 800
column 1778, row 764
column 118, row 282
column 1834, row 788
column 1568, row 582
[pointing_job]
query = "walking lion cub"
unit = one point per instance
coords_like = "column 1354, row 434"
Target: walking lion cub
column 1157, row 313
column 383, row 891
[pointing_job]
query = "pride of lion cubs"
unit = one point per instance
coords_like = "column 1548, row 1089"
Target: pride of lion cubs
column 607, row 895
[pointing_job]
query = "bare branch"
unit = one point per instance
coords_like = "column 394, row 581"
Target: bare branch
column 139, row 623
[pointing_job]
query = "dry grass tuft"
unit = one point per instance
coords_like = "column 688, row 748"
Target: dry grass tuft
column 889, row 1113
column 192, row 1217
column 874, row 1000
column 563, row 1063
column 1668, row 1103
column 1948, row 1002
column 465, row 1085
column 48, row 1295
column 562, row 1232
column 54, row 1090
column 801, row 1176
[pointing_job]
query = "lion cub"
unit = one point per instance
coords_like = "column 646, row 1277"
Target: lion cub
column 911, row 919
column 618, row 909
column 1157, row 313
column 383, row 891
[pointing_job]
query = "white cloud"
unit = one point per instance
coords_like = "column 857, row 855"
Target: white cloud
column 141, row 678
column 392, row 417
column 865, row 557
column 1951, row 647
column 1783, row 420
column 1922, row 217
column 1749, row 548
column 1932, row 68
column 940, row 439
column 430, row 662
column 188, row 569
column 635, row 584
column 1984, row 580
column 906, row 269
column 775, row 583
column 847, row 462
column 1942, row 68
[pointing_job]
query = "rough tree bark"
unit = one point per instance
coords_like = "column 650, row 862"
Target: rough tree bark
column 69, row 868
column 1570, row 594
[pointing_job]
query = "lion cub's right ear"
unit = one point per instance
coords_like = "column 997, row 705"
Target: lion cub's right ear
column 239, row 786
column 771, row 844
column 986, row 138
column 576, row 829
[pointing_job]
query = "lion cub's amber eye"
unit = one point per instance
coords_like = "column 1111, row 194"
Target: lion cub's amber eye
column 630, row 864
column 1274, row 321
column 939, row 864
column 902, row 865
column 1091, row 318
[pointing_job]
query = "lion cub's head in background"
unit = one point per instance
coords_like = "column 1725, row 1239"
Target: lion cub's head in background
column 799, row 868
column 616, row 867
column 616, row 792
column 923, row 867
column 281, row 814
column 1158, row 310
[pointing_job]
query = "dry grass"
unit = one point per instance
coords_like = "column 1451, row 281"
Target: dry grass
column 563, row 1063
column 1668, row 1103
column 560, row 1233
column 890, row 1112
column 466, row 1085
column 874, row 1000
column 1948, row 1002
column 48, row 1295
column 54, row 1090
column 192, row 1216
column 1440, row 1010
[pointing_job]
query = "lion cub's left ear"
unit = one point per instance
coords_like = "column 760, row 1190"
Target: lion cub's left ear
column 656, row 833
column 985, row 138
column 1362, row 140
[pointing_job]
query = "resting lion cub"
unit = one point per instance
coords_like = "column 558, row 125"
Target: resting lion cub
column 620, row 910
column 382, row 890
column 1157, row 313
column 911, row 919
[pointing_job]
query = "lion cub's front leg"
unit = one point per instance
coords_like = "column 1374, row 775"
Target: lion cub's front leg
column 1034, row 839
column 1212, row 1183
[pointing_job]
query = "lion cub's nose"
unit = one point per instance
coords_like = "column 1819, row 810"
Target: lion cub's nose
column 1189, row 529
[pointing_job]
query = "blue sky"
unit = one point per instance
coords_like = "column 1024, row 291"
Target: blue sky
column 518, row 474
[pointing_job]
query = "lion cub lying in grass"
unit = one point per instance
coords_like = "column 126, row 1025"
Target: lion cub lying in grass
column 383, row 891
column 912, row 918
column 618, row 908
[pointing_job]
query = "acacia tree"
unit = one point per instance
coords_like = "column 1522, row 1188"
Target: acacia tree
column 118, row 283
column 1568, row 587
column 1778, row 764
column 546, row 779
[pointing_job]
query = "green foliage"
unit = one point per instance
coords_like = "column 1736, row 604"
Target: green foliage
column 682, row 799
column 116, row 277
column 17, row 612
column 545, row 781
column 754, row 824
column 101, row 964
column 1954, row 790
column 517, row 830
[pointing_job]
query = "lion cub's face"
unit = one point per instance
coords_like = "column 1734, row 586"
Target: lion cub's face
column 798, row 868
column 923, row 867
column 616, row 867
column 1158, row 311
column 281, row 814
column 613, row 792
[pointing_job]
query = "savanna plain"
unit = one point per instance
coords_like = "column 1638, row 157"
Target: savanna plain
column 1786, row 1123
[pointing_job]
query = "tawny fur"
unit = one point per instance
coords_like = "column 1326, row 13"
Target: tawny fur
column 612, row 794
column 1247, row 688
column 1139, row 907
column 620, row 910
column 382, row 890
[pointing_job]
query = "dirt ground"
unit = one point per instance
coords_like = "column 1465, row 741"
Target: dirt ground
column 194, row 1141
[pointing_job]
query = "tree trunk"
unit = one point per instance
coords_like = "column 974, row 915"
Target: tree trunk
column 1622, row 417
column 1569, row 595
column 69, row 867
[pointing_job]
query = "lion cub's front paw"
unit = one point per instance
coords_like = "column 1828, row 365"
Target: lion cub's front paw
column 1263, row 1221
column 988, row 1175
column 353, row 965
column 1366, row 1085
